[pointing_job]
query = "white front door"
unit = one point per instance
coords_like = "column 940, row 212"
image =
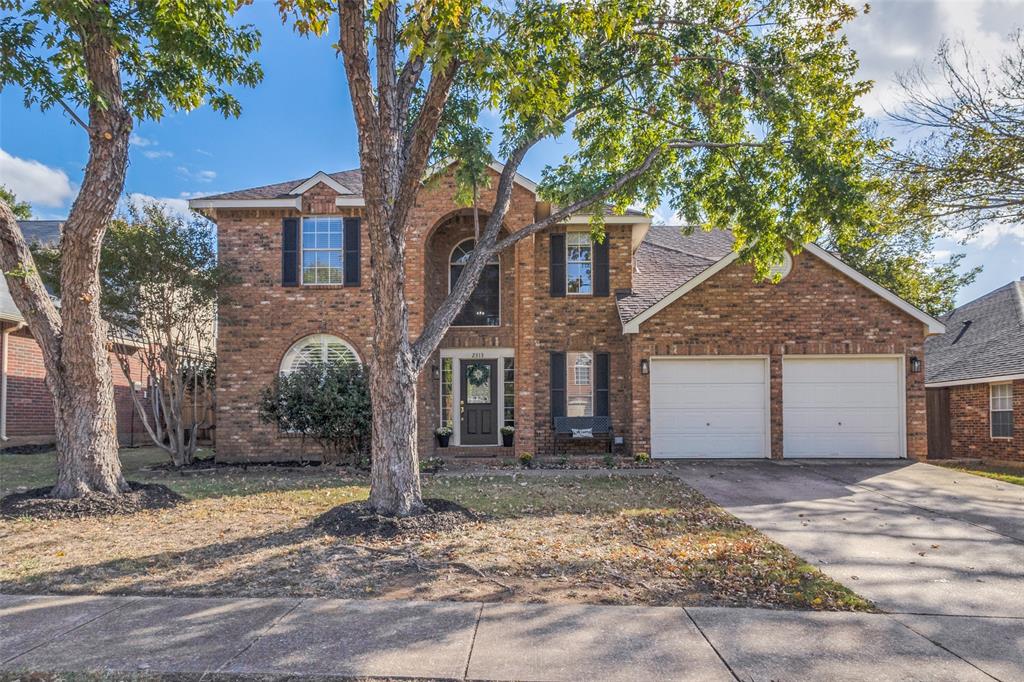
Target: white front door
column 709, row 407
column 845, row 406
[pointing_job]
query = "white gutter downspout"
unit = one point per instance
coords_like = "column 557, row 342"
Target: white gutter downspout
column 4, row 343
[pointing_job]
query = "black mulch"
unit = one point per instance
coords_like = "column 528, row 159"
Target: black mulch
column 358, row 519
column 38, row 504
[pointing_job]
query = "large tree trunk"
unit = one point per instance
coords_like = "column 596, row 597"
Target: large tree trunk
column 74, row 342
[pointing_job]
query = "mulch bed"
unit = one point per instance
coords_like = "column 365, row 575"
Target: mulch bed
column 358, row 519
column 38, row 504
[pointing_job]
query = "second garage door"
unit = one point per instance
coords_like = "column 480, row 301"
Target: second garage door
column 842, row 407
column 709, row 407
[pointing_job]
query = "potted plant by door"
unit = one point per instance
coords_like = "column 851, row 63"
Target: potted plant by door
column 506, row 435
column 443, row 433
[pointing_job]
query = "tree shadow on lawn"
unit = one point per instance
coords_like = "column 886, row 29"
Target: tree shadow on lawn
column 616, row 553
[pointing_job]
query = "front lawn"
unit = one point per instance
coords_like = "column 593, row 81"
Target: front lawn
column 613, row 539
column 1006, row 474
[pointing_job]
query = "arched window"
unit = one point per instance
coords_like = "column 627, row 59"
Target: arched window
column 318, row 348
column 483, row 307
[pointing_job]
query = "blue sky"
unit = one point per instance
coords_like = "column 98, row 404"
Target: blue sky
column 300, row 121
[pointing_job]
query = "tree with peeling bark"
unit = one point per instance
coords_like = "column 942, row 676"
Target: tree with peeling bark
column 740, row 112
column 105, row 63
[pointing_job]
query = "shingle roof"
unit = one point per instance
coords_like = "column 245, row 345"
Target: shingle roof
column 351, row 179
column 984, row 338
column 667, row 259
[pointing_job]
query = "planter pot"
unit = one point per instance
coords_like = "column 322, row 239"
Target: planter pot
column 506, row 439
column 443, row 440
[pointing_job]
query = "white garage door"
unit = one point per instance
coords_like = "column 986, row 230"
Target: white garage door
column 842, row 407
column 709, row 407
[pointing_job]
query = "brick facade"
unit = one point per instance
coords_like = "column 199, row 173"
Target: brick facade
column 30, row 406
column 814, row 310
column 971, row 428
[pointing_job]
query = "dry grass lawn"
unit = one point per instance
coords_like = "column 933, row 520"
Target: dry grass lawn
column 612, row 539
column 1006, row 474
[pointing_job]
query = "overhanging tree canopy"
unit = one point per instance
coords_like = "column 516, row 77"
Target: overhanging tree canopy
column 741, row 111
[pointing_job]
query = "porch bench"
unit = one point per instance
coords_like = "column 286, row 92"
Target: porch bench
column 601, row 428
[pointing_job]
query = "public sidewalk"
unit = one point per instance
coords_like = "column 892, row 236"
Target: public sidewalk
column 462, row 640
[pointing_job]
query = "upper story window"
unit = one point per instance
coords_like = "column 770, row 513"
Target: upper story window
column 317, row 349
column 322, row 250
column 580, row 393
column 579, row 263
column 483, row 309
column 1001, row 410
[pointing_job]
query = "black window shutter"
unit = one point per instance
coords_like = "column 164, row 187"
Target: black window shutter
column 557, row 268
column 351, row 265
column 290, row 252
column 601, row 269
column 557, row 385
column 602, row 378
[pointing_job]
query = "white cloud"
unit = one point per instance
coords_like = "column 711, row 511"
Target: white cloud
column 993, row 233
column 157, row 154
column 177, row 205
column 35, row 182
column 941, row 255
column 201, row 176
column 140, row 141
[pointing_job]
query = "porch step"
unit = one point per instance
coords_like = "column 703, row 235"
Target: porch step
column 475, row 452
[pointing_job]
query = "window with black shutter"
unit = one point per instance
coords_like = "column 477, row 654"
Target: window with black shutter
column 557, row 264
column 601, row 269
column 557, row 383
column 602, row 379
column 351, row 266
column 290, row 252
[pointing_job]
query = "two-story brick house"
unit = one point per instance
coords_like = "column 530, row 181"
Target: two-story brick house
column 667, row 335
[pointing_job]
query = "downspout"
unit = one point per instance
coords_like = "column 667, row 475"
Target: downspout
column 4, row 343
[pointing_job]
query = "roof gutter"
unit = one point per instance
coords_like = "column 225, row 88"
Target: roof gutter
column 976, row 380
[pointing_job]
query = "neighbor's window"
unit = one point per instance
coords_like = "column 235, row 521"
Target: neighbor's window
column 579, row 261
column 1001, row 406
column 580, row 385
column 483, row 307
column 322, row 250
column 320, row 349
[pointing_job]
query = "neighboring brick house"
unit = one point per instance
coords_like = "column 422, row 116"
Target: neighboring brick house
column 26, row 407
column 665, row 334
column 975, row 379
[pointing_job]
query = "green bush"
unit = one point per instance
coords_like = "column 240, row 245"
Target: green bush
column 642, row 458
column 329, row 404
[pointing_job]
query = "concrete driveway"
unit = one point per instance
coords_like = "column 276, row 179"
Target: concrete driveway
column 941, row 550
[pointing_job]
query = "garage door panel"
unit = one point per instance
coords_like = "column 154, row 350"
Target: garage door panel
column 713, row 407
column 842, row 407
column 678, row 421
column 747, row 446
column 832, row 419
column 709, row 396
column 876, row 394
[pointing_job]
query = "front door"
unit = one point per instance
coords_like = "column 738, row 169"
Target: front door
column 479, row 405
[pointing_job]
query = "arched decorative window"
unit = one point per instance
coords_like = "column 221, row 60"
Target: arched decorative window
column 483, row 309
column 318, row 348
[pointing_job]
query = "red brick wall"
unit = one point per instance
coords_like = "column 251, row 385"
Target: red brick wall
column 30, row 406
column 971, row 429
column 814, row 310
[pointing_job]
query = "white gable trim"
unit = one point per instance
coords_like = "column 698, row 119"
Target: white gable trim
column 197, row 204
column 633, row 326
column 933, row 325
column 976, row 380
column 585, row 218
column 317, row 179
column 520, row 179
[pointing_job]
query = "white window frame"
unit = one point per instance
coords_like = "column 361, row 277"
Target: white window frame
column 590, row 261
column 992, row 408
column 303, row 249
column 290, row 356
column 587, row 368
column 572, row 368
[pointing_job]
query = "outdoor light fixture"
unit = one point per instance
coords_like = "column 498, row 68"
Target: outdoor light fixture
column 435, row 371
column 915, row 364
column 645, row 367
